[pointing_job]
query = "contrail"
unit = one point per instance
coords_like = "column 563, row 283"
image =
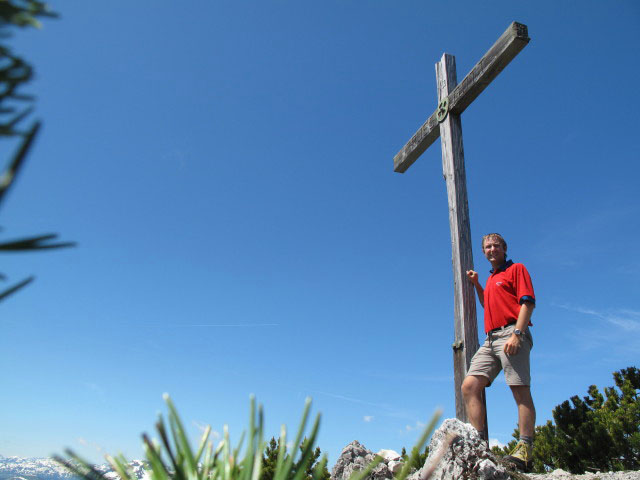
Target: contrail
column 229, row 325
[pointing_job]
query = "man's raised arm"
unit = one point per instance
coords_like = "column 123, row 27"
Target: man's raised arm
column 473, row 278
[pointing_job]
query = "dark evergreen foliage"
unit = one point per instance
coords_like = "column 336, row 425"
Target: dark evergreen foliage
column 593, row 433
column 270, row 460
column 418, row 460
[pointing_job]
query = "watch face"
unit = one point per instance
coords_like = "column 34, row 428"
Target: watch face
column 517, row 332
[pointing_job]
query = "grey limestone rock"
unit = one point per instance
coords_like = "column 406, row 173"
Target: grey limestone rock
column 395, row 466
column 467, row 456
column 455, row 452
column 356, row 457
column 389, row 455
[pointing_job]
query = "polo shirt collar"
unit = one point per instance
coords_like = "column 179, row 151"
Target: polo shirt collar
column 502, row 267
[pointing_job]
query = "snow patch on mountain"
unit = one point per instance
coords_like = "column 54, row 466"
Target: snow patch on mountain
column 17, row 468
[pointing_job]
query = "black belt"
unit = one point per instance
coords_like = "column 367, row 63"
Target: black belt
column 501, row 328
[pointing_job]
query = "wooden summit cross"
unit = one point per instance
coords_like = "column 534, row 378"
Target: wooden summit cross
column 445, row 122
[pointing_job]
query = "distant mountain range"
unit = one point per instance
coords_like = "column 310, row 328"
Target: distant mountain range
column 16, row 468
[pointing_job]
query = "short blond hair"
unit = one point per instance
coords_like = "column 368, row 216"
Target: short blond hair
column 494, row 236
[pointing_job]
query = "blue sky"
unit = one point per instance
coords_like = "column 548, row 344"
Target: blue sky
column 226, row 168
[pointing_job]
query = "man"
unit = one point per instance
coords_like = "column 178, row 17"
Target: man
column 508, row 302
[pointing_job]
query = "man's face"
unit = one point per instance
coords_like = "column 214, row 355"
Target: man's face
column 494, row 251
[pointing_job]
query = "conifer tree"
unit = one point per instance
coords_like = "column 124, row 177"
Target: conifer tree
column 420, row 459
column 270, row 460
column 593, row 433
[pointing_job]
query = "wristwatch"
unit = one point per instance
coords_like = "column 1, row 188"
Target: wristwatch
column 517, row 331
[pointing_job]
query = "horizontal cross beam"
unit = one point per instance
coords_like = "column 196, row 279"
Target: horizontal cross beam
column 510, row 43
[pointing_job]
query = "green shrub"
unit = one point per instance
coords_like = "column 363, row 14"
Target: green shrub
column 592, row 433
column 417, row 459
column 270, row 461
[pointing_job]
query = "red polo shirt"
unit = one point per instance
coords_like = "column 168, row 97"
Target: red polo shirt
column 507, row 288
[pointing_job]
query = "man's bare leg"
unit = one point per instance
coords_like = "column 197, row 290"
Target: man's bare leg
column 526, row 409
column 472, row 388
column 522, row 454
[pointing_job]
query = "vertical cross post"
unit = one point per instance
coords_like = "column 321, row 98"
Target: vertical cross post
column 453, row 169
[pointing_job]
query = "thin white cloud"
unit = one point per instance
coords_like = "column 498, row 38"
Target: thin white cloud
column 176, row 156
column 350, row 399
column 368, row 418
column 203, row 427
column 626, row 319
column 629, row 268
column 226, row 325
column 417, row 426
column 86, row 443
column 213, row 434
column 606, row 328
column 380, row 409
column 412, row 377
column 573, row 242
column 494, row 442
column 95, row 389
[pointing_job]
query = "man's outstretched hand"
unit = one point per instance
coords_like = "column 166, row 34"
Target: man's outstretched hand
column 472, row 276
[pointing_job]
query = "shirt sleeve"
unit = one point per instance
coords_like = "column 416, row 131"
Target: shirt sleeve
column 527, row 298
column 524, row 286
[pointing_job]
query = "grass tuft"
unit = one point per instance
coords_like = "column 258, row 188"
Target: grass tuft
column 173, row 458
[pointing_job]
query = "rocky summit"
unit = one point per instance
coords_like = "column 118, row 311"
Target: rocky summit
column 356, row 457
column 456, row 451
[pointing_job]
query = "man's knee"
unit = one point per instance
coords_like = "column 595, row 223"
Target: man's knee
column 473, row 385
column 522, row 394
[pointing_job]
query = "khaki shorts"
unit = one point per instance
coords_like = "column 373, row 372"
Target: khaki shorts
column 490, row 358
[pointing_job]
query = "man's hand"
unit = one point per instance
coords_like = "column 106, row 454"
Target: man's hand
column 473, row 276
column 513, row 345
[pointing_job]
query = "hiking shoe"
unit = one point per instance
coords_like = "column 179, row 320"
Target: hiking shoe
column 521, row 456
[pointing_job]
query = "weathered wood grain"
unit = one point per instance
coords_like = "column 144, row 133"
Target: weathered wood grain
column 510, row 43
column 421, row 140
column 453, row 169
